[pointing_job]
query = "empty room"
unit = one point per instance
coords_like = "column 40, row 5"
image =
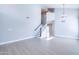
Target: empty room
column 39, row 29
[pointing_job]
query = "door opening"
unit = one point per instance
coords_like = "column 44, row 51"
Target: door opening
column 47, row 18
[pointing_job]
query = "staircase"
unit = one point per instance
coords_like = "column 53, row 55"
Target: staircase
column 39, row 30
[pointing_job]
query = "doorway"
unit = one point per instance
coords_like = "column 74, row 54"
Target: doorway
column 47, row 19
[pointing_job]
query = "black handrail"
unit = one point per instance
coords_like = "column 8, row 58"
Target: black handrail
column 37, row 27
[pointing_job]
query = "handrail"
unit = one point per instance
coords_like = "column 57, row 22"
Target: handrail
column 44, row 27
column 37, row 27
column 41, row 28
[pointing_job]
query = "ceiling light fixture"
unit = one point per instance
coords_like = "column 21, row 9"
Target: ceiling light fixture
column 63, row 13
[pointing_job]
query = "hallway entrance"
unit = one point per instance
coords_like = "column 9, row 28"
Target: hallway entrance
column 47, row 19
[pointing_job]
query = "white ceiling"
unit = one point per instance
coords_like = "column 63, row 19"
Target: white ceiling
column 60, row 5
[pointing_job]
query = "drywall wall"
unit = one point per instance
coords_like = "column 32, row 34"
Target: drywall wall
column 78, row 22
column 18, row 21
column 43, row 19
column 68, row 28
column 50, row 17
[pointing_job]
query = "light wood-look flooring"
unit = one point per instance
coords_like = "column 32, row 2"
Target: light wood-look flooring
column 37, row 46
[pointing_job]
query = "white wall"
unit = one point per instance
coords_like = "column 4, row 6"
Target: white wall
column 69, row 28
column 78, row 22
column 14, row 23
column 50, row 17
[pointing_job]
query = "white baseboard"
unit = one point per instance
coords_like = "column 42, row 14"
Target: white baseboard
column 8, row 42
column 66, row 36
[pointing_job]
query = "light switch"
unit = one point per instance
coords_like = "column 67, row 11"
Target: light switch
column 10, row 29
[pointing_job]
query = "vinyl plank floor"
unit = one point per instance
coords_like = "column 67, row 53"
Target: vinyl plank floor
column 37, row 46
